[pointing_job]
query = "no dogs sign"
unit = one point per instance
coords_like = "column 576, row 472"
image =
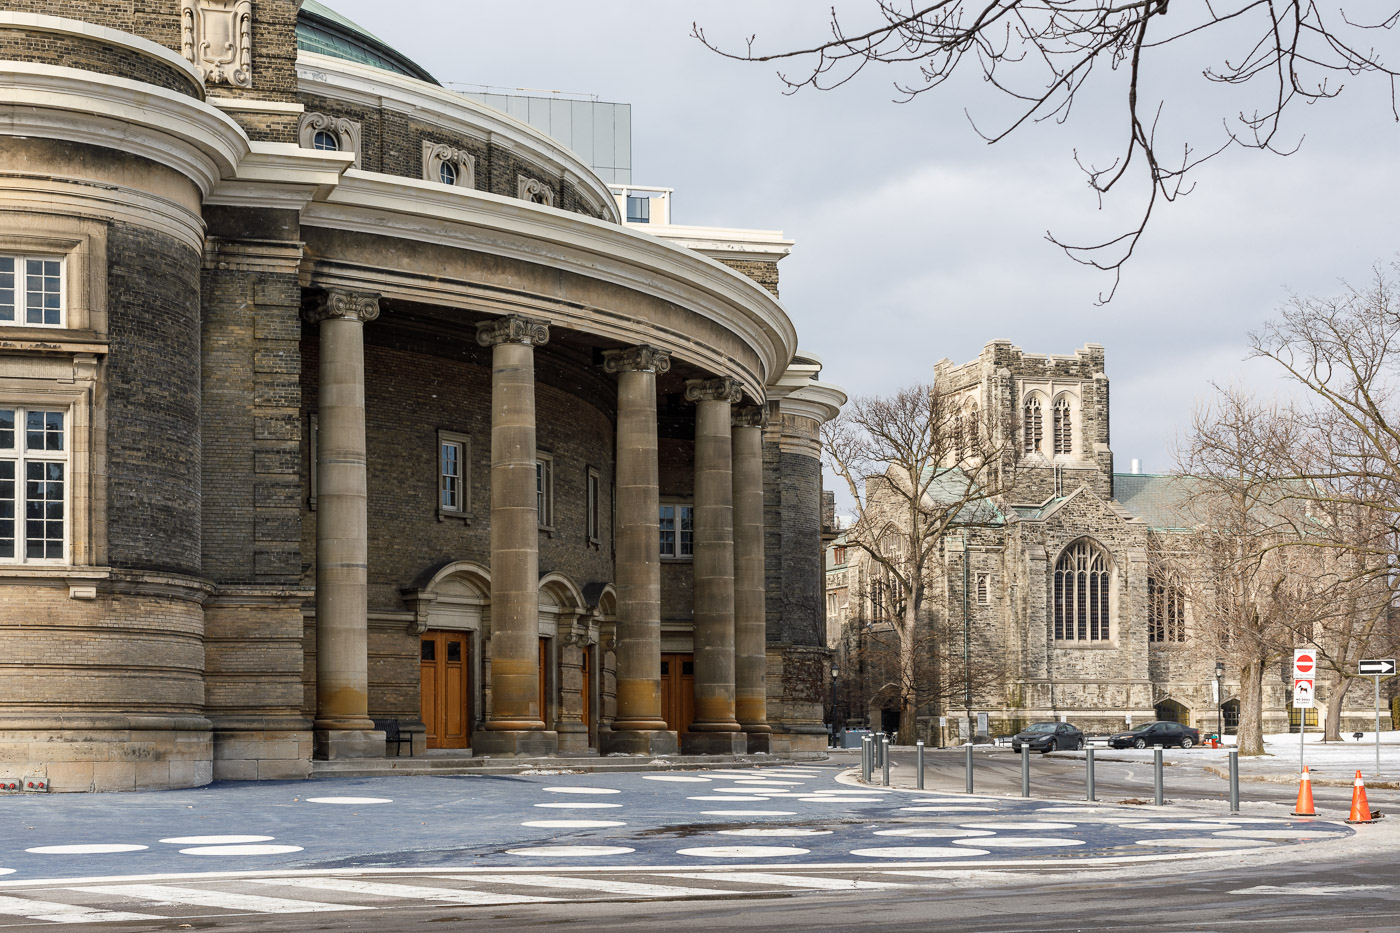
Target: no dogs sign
column 1304, row 672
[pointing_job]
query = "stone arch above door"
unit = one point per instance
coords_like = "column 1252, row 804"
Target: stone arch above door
column 456, row 596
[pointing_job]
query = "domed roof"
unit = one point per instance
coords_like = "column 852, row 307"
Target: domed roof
column 321, row 29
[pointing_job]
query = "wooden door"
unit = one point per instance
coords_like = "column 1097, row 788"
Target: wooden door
column 586, row 690
column 445, row 691
column 678, row 691
column 544, row 680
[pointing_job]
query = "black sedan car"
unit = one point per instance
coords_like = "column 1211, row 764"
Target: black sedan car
column 1048, row 737
column 1156, row 733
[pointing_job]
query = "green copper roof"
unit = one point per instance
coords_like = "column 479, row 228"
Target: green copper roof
column 324, row 31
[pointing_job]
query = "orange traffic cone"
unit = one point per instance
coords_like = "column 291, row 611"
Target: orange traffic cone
column 1305, row 801
column 1360, row 809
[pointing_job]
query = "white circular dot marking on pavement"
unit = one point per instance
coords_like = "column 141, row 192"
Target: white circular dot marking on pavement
column 571, row 851
column 94, row 848
column 7, row 871
column 842, row 799
column 866, row 792
column 748, row 813
column 240, row 850
column 946, row 809
column 1166, row 824
column 769, row 782
column 572, row 824
column 581, row 790
column 1205, row 842
column 676, row 778
column 905, row 852
column 774, row 831
column 349, row 801
column 584, row 805
column 729, row 799
column 994, row 827
column 1244, row 821
column 933, row 832
column 1075, row 810
column 742, row 851
column 214, row 840
column 1277, row 834
column 1021, row 842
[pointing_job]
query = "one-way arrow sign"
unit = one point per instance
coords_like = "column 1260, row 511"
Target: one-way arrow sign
column 1376, row 666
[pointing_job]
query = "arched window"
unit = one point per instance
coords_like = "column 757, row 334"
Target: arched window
column 325, row 141
column 1062, row 432
column 974, row 427
column 1081, row 594
column 1166, row 608
column 1033, row 428
column 447, row 173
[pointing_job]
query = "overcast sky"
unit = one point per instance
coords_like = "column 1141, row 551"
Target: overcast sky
column 915, row 239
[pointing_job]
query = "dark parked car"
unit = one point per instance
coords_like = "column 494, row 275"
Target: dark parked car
column 1048, row 737
column 1156, row 733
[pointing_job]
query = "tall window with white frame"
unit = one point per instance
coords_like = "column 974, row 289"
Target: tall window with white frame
column 677, row 530
column 31, row 290
column 1082, row 576
column 544, row 490
column 33, row 485
column 1062, row 431
column 1032, row 427
column 454, row 475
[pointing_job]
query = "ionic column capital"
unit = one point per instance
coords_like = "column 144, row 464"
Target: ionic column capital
column 347, row 305
column 749, row 416
column 513, row 328
column 721, row 389
column 639, row 359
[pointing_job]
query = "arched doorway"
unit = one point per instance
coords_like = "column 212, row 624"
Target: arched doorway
column 1172, row 711
column 1230, row 714
column 449, row 612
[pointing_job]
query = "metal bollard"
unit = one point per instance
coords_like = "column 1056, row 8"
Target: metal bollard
column 885, row 758
column 1157, row 774
column 1089, row 774
column 865, row 758
column 919, row 762
column 1025, row 770
column 968, row 766
column 1234, row 780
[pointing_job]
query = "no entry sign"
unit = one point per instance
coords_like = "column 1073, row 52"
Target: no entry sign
column 1304, row 664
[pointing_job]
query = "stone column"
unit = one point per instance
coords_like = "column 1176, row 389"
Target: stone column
column 638, row 728
column 516, row 725
column 343, row 728
column 750, row 631
column 715, row 731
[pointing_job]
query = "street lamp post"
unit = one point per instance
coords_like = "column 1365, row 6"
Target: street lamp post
column 1220, row 700
column 835, row 672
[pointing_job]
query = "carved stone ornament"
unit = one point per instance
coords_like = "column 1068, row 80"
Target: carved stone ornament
column 513, row 328
column 536, row 192
column 722, row 389
column 336, row 303
column 345, row 132
column 749, row 416
column 639, row 359
column 216, row 36
column 436, row 155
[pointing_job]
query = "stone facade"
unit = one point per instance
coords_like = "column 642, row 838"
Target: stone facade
column 288, row 428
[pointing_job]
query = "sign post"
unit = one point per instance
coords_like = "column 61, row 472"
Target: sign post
column 1304, row 672
column 1377, row 668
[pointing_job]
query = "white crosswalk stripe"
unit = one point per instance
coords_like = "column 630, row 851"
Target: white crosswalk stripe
column 415, row 891
column 170, row 896
column 64, row 913
column 603, row 885
column 809, row 882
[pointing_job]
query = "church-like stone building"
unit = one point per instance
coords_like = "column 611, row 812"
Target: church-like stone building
column 1071, row 602
column 331, row 397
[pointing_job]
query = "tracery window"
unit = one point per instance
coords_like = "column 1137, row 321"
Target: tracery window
column 974, row 431
column 1081, row 594
column 1063, row 433
column 1166, row 615
column 1033, row 428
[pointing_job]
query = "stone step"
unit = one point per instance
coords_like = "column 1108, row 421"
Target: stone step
column 464, row 764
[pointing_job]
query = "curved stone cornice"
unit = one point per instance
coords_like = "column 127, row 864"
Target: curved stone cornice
column 722, row 389
column 345, row 305
column 383, row 205
column 39, row 22
column 513, row 328
column 820, row 401
column 182, row 132
column 643, row 359
column 338, row 79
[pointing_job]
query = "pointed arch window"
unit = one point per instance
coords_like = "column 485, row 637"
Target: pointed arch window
column 1033, row 427
column 1063, row 432
column 1166, row 608
column 1082, row 577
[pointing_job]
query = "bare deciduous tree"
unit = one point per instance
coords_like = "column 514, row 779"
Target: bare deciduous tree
column 916, row 463
column 1045, row 55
